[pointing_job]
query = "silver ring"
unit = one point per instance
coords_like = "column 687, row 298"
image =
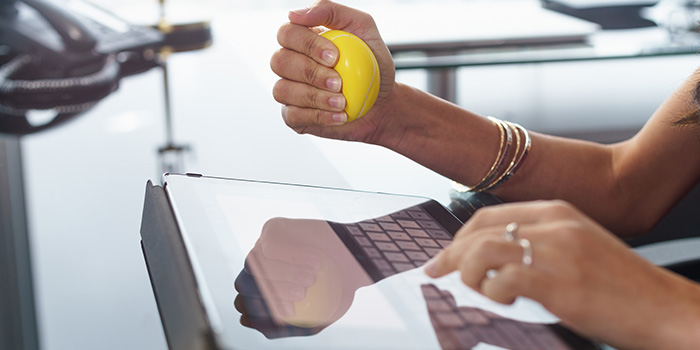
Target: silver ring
column 510, row 232
column 527, row 251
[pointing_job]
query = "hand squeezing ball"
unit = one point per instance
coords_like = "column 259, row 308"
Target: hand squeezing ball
column 359, row 72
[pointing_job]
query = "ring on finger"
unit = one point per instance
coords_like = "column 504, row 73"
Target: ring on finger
column 527, row 251
column 511, row 232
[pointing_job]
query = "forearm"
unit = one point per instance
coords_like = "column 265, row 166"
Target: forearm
column 676, row 315
column 463, row 145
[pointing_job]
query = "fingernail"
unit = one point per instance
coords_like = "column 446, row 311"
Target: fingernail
column 340, row 118
column 301, row 11
column 333, row 84
column 337, row 102
column 328, row 56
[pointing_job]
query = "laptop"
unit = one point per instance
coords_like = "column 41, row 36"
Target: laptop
column 240, row 264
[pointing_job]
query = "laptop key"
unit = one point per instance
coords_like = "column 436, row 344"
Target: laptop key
column 417, row 256
column 419, row 215
column 429, row 224
column 406, row 245
column 466, row 338
column 516, row 334
column 473, row 316
column 387, row 273
column 443, row 242
column 400, row 267
column 399, row 235
column 363, row 241
column 417, row 233
column 408, row 223
column 396, row 257
column 355, row 231
column 370, row 227
column 449, row 319
column 372, row 252
column 432, row 251
column 382, row 264
column 390, row 226
column 439, row 234
column 387, row 247
column 427, row 242
column 376, row 236
column 430, row 291
column 438, row 305
column 488, row 334
column 401, row 215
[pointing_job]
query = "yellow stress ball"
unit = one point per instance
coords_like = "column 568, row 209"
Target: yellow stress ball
column 359, row 72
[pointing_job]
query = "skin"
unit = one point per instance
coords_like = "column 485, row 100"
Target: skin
column 597, row 189
column 580, row 272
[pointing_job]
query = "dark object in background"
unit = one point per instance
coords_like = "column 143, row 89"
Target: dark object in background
column 64, row 58
column 617, row 14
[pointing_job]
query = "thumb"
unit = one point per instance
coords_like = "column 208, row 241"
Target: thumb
column 331, row 15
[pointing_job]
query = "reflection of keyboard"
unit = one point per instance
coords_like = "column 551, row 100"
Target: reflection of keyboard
column 464, row 327
column 394, row 243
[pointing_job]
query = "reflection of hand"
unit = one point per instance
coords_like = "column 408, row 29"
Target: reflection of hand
column 256, row 314
column 301, row 284
column 580, row 272
column 299, row 274
column 310, row 88
column 286, row 271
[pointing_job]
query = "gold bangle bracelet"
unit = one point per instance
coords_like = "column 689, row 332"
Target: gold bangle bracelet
column 518, row 158
column 493, row 183
column 521, row 158
column 500, row 160
column 501, row 145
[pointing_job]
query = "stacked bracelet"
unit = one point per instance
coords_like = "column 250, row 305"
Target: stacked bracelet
column 496, row 176
column 503, row 149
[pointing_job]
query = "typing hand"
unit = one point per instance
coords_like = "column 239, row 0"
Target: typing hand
column 576, row 269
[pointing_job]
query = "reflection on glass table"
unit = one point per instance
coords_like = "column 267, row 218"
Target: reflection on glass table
column 302, row 274
column 464, row 327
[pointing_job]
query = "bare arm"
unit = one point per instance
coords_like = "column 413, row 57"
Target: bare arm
column 627, row 187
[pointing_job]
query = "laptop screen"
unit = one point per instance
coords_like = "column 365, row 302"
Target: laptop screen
column 298, row 267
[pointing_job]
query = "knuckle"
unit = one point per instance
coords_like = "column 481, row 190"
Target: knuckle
column 318, row 116
column 572, row 231
column 313, row 97
column 485, row 246
column 560, row 208
column 311, row 74
column 308, row 44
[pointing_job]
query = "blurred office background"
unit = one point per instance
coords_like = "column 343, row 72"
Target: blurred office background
column 85, row 180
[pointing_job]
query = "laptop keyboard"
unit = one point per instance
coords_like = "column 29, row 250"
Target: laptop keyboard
column 464, row 327
column 394, row 243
